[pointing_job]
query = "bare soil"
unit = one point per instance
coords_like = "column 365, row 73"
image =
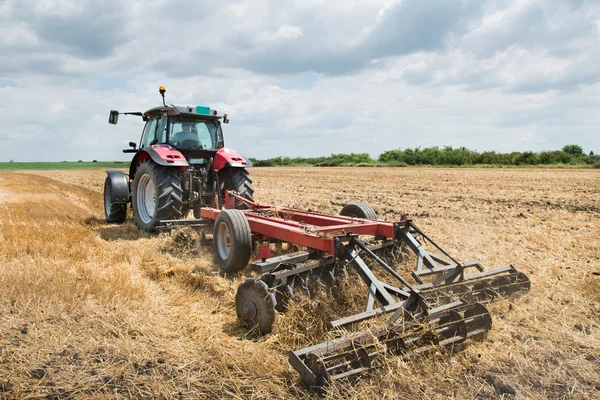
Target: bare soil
column 89, row 309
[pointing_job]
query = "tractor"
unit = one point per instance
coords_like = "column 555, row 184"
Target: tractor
column 180, row 164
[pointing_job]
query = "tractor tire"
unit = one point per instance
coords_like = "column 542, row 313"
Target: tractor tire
column 115, row 212
column 232, row 241
column 237, row 179
column 157, row 195
column 358, row 210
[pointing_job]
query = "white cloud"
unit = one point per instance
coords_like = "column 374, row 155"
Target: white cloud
column 288, row 32
column 57, row 108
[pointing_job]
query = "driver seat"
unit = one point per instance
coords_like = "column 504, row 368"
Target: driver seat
column 191, row 144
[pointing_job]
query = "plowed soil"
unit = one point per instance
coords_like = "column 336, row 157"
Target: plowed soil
column 90, row 309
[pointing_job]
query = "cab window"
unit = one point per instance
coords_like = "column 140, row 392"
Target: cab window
column 149, row 133
column 161, row 131
column 204, row 135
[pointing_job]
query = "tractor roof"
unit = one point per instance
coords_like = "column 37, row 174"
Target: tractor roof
column 185, row 110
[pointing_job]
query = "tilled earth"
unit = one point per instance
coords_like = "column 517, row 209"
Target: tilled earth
column 89, row 309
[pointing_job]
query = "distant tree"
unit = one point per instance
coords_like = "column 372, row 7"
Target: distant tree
column 94, row 160
column 80, row 161
column 12, row 160
column 573, row 149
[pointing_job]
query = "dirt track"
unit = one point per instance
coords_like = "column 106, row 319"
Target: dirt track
column 91, row 309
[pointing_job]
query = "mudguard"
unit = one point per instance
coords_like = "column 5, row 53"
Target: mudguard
column 162, row 154
column 119, row 186
column 229, row 158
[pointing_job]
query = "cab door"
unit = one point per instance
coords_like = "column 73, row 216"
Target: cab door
column 149, row 133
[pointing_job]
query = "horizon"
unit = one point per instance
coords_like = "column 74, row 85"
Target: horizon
column 441, row 148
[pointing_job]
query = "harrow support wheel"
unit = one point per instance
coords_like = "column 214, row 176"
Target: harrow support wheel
column 255, row 305
column 115, row 212
column 232, row 241
column 358, row 210
column 157, row 195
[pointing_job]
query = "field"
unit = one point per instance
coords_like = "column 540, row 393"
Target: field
column 89, row 309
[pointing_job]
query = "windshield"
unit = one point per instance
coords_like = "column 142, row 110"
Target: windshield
column 202, row 135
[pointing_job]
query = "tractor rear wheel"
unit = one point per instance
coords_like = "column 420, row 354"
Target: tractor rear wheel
column 232, row 240
column 358, row 210
column 115, row 212
column 157, row 195
column 238, row 179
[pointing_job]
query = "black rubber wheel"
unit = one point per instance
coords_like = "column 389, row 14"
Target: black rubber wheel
column 255, row 305
column 232, row 241
column 157, row 195
column 115, row 212
column 239, row 180
column 358, row 210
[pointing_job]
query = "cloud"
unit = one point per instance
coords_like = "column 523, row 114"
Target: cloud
column 302, row 78
column 45, row 37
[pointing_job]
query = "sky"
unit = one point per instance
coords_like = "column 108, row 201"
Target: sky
column 301, row 77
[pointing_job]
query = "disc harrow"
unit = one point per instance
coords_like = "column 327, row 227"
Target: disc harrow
column 441, row 306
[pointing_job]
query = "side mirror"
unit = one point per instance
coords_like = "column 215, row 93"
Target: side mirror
column 132, row 144
column 225, row 119
column 113, row 118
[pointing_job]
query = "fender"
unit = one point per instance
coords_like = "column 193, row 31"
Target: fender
column 162, row 154
column 119, row 186
column 229, row 158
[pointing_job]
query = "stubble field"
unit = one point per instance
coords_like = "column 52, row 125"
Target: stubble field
column 94, row 310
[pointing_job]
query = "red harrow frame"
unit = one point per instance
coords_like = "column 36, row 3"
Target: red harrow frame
column 444, row 305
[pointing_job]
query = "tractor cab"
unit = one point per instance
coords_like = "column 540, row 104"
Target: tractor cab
column 193, row 130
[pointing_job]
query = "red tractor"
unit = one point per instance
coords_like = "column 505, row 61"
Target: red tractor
column 181, row 164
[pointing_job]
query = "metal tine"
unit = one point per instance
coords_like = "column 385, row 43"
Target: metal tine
column 449, row 325
column 483, row 290
column 350, row 373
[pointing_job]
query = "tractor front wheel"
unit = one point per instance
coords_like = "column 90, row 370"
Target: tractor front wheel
column 157, row 195
column 238, row 180
column 232, row 239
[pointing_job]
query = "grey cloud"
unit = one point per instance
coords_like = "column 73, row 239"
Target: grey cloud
column 79, row 31
column 33, row 64
column 556, row 25
column 405, row 27
column 541, row 46
column 180, row 12
column 89, row 35
column 412, row 26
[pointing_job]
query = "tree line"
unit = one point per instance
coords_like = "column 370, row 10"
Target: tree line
column 571, row 154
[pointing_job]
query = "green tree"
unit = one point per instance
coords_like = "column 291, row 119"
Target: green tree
column 573, row 149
